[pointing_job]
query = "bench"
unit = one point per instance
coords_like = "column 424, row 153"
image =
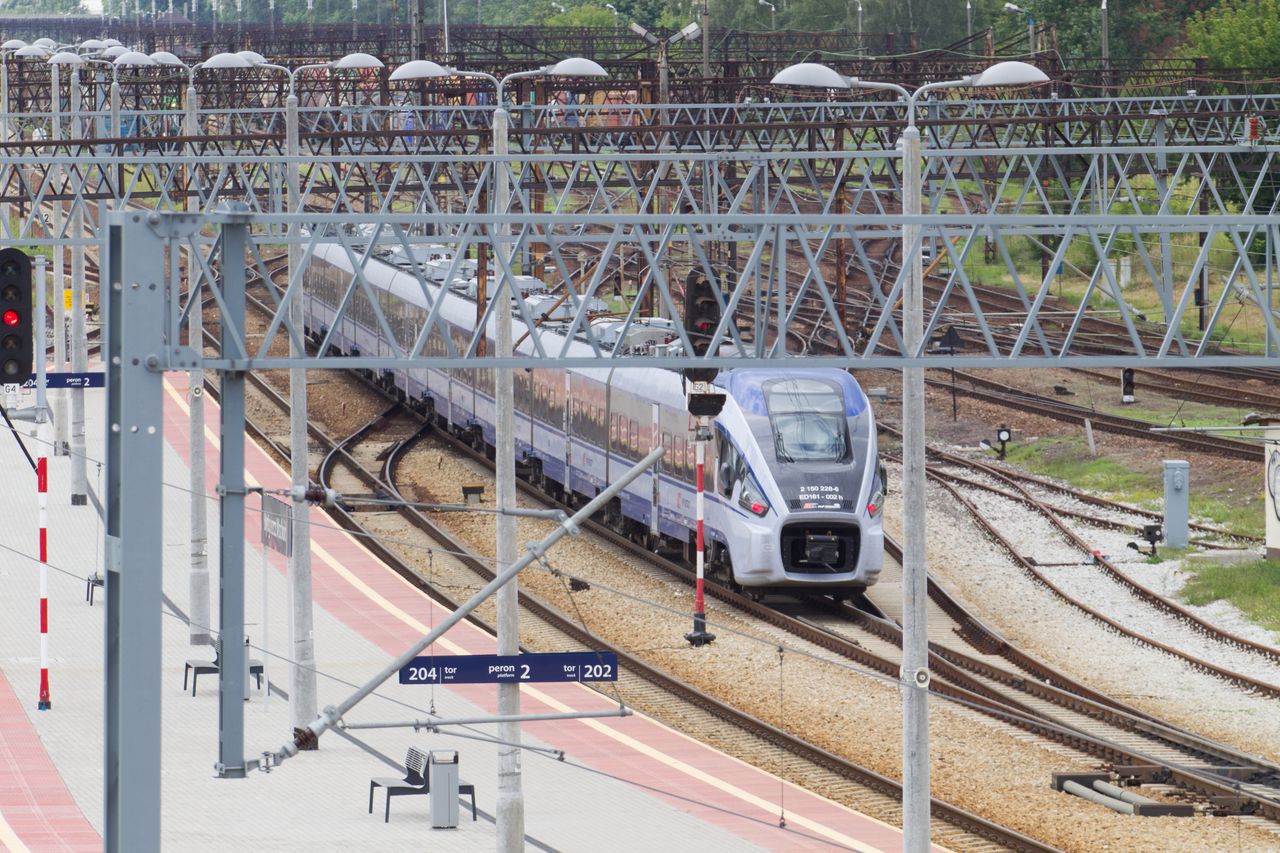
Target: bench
column 415, row 781
column 196, row 668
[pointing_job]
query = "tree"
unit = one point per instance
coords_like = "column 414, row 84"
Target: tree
column 1236, row 34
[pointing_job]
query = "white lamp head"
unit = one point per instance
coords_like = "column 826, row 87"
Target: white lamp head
column 691, row 31
column 66, row 57
column 47, row 43
column 812, row 74
column 226, row 60
column 419, row 69
column 577, row 66
column 1009, row 74
column 251, row 56
column 112, row 43
column 1012, row 7
column 13, row 44
column 164, row 57
column 357, row 60
column 33, row 50
column 133, row 58
column 114, row 50
column 92, row 44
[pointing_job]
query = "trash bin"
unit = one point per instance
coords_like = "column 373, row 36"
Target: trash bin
column 443, row 777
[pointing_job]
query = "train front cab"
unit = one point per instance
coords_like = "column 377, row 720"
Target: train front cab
column 798, row 481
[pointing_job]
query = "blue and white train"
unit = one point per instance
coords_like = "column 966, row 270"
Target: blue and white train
column 794, row 490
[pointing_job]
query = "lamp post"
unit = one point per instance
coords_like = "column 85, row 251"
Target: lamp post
column 690, row 31
column 200, row 632
column 510, row 799
column 1015, row 9
column 302, row 702
column 968, row 19
column 614, row 9
column 915, row 641
column 773, row 14
column 5, row 49
column 1104, row 36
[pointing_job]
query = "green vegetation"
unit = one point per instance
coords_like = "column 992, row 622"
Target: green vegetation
column 1236, row 34
column 1066, row 459
column 1253, row 587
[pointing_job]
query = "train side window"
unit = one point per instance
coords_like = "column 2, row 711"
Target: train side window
column 668, row 461
column 614, row 417
column 635, row 439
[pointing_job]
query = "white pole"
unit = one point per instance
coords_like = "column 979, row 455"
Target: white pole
column 200, row 633
column 42, row 487
column 444, row 18
column 62, row 433
column 915, row 639
column 510, row 794
column 266, row 629
column 79, row 335
column 302, row 681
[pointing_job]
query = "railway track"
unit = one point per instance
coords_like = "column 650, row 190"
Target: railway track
column 1181, row 755
column 981, row 670
column 347, row 465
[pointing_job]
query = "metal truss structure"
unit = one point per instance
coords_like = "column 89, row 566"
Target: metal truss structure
column 792, row 210
column 739, row 62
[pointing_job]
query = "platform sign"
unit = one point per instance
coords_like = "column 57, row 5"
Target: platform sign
column 509, row 669
column 70, row 380
column 277, row 531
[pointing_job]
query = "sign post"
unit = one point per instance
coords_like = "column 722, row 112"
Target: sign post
column 277, row 535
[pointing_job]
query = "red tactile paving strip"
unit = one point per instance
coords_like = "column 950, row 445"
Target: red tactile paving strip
column 709, row 784
column 34, row 802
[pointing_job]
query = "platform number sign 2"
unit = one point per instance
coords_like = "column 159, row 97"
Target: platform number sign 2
column 509, row 669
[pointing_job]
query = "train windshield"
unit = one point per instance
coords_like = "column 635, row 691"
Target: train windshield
column 808, row 421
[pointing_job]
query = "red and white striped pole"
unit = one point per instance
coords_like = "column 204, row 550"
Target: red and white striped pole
column 42, row 489
column 700, row 637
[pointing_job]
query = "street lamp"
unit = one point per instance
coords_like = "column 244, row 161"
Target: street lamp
column 915, row 641
column 5, row 49
column 510, row 799
column 614, row 9
column 773, row 14
column 690, row 31
column 1015, row 9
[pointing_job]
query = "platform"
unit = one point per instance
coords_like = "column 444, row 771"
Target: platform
column 616, row 788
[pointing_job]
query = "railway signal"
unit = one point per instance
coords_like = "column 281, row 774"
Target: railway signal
column 1126, row 385
column 16, row 315
column 701, row 316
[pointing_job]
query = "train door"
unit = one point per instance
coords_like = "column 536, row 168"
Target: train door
column 655, row 440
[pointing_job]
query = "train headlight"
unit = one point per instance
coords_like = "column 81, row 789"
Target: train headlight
column 753, row 498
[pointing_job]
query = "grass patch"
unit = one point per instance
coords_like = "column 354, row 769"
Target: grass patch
column 1067, row 459
column 1253, row 587
column 1246, row 520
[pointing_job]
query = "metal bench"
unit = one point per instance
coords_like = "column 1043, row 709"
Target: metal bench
column 196, row 668
column 415, row 781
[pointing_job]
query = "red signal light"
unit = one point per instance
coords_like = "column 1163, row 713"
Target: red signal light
column 11, row 317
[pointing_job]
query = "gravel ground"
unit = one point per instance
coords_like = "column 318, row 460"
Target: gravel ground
column 804, row 691
column 999, row 592
column 1034, row 536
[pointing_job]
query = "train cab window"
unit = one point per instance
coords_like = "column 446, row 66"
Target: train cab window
column 728, row 462
column 808, row 421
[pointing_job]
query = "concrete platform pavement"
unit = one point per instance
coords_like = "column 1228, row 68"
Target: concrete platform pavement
column 616, row 790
